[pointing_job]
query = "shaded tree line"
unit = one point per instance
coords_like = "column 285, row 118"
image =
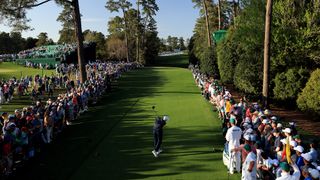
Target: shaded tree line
column 295, row 49
column 12, row 43
column 213, row 16
column 172, row 43
column 133, row 33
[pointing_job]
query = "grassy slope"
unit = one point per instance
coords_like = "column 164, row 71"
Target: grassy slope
column 9, row 70
column 114, row 140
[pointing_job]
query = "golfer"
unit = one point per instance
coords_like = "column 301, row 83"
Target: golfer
column 159, row 123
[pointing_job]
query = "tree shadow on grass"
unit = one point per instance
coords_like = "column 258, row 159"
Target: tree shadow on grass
column 65, row 155
column 114, row 140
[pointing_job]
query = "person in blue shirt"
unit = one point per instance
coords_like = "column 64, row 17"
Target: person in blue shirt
column 299, row 160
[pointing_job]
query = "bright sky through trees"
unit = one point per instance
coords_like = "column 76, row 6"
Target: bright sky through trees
column 175, row 18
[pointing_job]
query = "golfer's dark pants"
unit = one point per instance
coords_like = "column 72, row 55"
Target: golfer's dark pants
column 157, row 135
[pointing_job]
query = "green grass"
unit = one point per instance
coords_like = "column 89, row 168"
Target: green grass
column 9, row 70
column 114, row 140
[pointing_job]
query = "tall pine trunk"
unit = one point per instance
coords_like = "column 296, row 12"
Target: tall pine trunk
column 266, row 64
column 138, row 35
column 219, row 14
column 207, row 22
column 126, row 34
column 79, row 38
column 234, row 10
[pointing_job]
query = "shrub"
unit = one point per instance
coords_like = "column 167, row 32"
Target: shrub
column 248, row 77
column 208, row 62
column 290, row 83
column 226, row 57
column 309, row 99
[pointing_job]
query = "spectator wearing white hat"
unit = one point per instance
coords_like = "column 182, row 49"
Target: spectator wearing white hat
column 297, row 158
column 311, row 174
column 249, row 139
column 307, row 159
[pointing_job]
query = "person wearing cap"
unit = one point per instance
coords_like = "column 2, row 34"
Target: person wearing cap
column 311, row 174
column 293, row 128
column 298, row 139
column 249, row 167
column 285, row 171
column 297, row 157
column 286, row 153
column 264, row 167
column 233, row 137
column 248, row 139
column 307, row 159
column 313, row 151
column 279, row 126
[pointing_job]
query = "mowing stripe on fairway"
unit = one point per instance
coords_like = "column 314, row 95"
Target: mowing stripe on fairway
column 125, row 151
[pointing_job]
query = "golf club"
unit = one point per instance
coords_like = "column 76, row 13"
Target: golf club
column 155, row 112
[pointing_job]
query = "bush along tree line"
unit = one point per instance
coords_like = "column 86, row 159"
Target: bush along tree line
column 295, row 50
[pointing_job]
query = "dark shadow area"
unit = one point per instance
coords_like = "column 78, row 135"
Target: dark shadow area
column 173, row 61
column 71, row 148
column 114, row 139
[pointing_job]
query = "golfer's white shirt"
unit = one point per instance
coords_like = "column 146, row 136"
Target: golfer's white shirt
column 233, row 137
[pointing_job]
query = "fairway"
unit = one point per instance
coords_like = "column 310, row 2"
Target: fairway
column 114, row 140
column 9, row 70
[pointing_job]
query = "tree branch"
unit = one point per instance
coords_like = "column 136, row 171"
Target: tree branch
column 35, row 5
column 26, row 6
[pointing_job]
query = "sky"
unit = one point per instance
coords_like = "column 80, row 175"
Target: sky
column 174, row 18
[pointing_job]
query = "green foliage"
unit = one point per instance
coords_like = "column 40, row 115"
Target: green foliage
column 43, row 40
column 67, row 33
column 182, row 46
column 248, row 76
column 208, row 63
column 309, row 99
column 13, row 42
column 192, row 57
column 288, row 84
column 151, row 48
column 295, row 35
column 240, row 54
column 227, row 57
column 99, row 39
column 133, row 27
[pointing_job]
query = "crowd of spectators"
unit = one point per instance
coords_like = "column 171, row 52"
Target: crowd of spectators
column 7, row 57
column 256, row 139
column 25, row 133
column 50, row 51
column 37, row 65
